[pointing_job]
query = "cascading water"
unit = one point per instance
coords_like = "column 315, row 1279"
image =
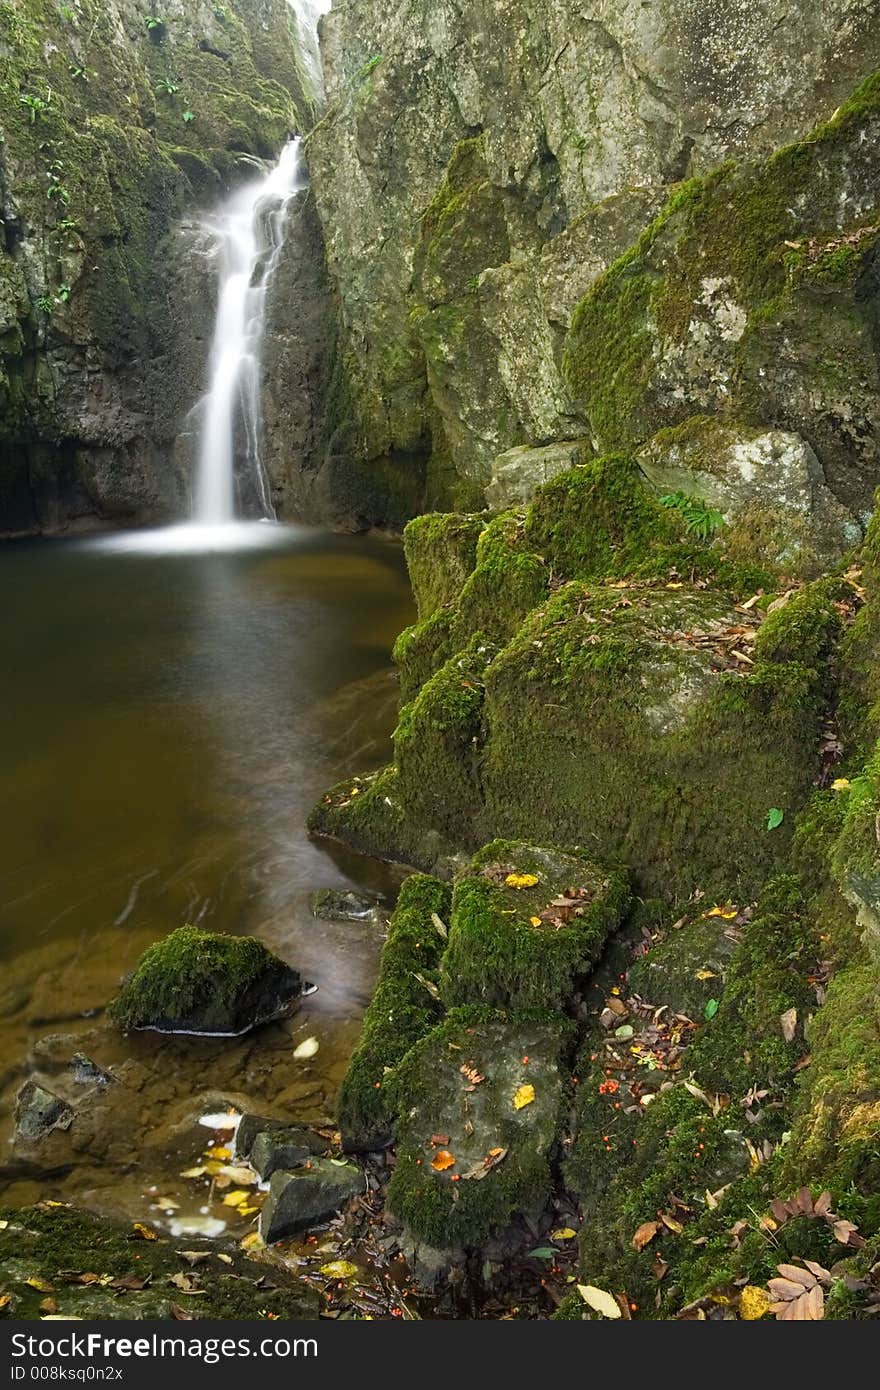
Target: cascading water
column 249, row 236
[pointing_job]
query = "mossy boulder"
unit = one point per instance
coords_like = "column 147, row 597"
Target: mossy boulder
column 404, row 1007
column 479, row 1101
column 528, row 924
column 196, row 981
column 687, row 968
column 441, row 551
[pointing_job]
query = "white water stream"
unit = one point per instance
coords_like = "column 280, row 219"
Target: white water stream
column 248, row 238
column 248, row 233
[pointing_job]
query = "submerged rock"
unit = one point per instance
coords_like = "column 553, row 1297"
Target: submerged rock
column 298, row 1200
column 204, row 983
column 343, row 905
column 38, row 1112
column 88, row 1073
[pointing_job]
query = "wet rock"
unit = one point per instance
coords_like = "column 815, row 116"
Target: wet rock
column 88, row 1073
column 343, row 905
column 299, row 1200
column 284, row 1148
column 200, row 982
column 249, row 1126
column 479, row 1100
column 38, row 1112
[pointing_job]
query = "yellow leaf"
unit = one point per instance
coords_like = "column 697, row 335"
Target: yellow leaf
column 355, row 791
column 841, row 784
column 219, row 1151
column 339, row 1269
column 728, row 913
column 704, row 975
column 535, row 921
column 5, row 1300
column 254, row 1241
column 442, row 1160
column 194, row 1172
column 523, row 1096
column 41, row 1285
column 753, row 1303
column 564, row 1233
column 599, row 1300
column 238, row 1198
column 521, row 880
column 144, row 1232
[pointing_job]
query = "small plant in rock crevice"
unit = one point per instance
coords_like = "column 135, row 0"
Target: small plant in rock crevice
column 700, row 519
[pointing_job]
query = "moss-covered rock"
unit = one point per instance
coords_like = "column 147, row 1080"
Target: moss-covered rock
column 749, row 296
column 48, row 1247
column 441, row 551
column 528, row 923
column 404, row 1007
column 688, row 967
column 196, row 981
column 479, row 1101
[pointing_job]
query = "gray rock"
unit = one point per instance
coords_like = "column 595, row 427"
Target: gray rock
column 38, row 1112
column 88, row 1073
column 249, row 1126
column 518, row 473
column 304, row 1198
column 343, row 905
column 285, row 1148
column 744, row 472
column 668, row 973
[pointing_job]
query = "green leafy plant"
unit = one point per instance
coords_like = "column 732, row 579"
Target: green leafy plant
column 35, row 105
column 167, row 86
column 45, row 303
column 63, row 294
column 154, row 24
column 370, row 66
column 775, row 817
column 189, row 116
column 711, row 1009
column 700, row 519
column 78, row 72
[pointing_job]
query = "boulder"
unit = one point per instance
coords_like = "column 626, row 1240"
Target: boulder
column 38, row 1112
column 478, row 1102
column 686, row 969
column 301, row 1199
column 201, row 982
column 285, row 1148
column 528, row 923
column 518, row 473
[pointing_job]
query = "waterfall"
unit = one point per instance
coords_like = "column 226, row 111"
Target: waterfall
column 308, row 12
column 248, row 233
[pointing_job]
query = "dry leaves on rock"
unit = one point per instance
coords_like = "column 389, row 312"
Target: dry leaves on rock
column 798, row 1294
column 645, row 1234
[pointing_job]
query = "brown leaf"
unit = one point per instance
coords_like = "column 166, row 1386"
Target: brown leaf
column 797, row 1275
column 194, row 1257
column 645, row 1234
column 670, row 1223
column 179, row 1314
column 439, row 1140
column 48, row 1305
column 822, row 1204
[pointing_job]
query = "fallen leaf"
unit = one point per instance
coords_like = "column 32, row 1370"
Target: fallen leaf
column 306, row 1049
column 178, row 1313
column 252, row 1241
column 520, row 881
column 753, row 1303
column 48, row 1305
column 442, row 1160
column 645, row 1234
column 564, row 1233
column 535, row 921
column 711, row 1009
column 841, row 784
column 143, row 1232
column 439, row 926
column 237, row 1198
column 187, row 1283
column 704, row 975
column 237, row 1172
column 775, row 817
column 219, row 1151
column 599, row 1300
column 671, row 1224
column 523, row 1096
column 194, row 1172
column 788, row 1023
column 41, row 1285
column 339, row 1269
column 194, row 1257
column 727, row 913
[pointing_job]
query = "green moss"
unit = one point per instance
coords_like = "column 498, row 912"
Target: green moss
column 193, row 973
column 402, row 1010
column 508, row 581
column 434, row 1096
column 498, row 955
column 41, row 1242
column 441, row 551
column 437, row 746
column 422, row 649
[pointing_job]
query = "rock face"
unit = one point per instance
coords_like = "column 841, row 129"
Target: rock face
column 200, row 982
column 114, row 131
column 479, row 168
